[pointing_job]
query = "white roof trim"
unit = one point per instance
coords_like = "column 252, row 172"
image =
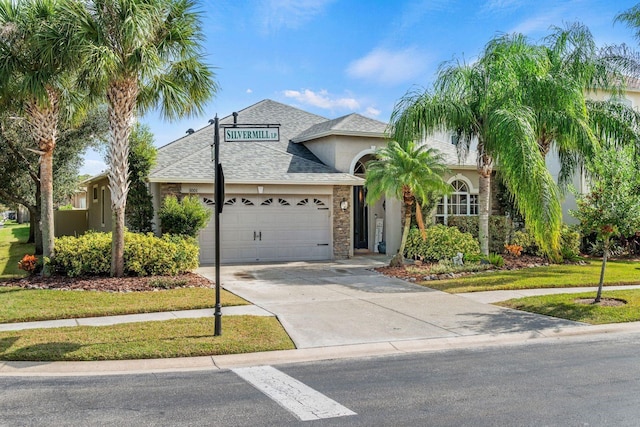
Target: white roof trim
column 351, row 181
column 339, row 133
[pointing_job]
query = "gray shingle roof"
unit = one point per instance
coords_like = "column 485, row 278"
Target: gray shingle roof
column 352, row 124
column 188, row 159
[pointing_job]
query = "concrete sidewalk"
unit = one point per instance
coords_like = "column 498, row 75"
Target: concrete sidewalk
column 250, row 310
column 490, row 297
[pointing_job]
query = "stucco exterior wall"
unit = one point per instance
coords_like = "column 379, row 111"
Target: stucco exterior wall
column 99, row 205
column 71, row 222
column 340, row 151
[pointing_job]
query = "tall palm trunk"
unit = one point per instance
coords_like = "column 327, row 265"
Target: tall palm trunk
column 43, row 121
column 46, row 216
column 408, row 199
column 485, row 168
column 121, row 96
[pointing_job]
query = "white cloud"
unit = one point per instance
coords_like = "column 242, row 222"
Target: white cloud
column 542, row 22
column 249, row 90
column 323, row 99
column 372, row 112
column 277, row 14
column 389, row 67
column 92, row 167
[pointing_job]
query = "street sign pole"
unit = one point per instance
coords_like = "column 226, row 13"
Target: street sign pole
column 219, row 198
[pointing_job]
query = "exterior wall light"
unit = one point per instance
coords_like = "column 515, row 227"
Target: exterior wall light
column 344, row 205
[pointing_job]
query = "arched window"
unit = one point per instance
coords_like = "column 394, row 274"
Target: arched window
column 459, row 202
column 360, row 168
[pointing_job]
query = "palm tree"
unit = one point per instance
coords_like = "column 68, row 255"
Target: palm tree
column 481, row 103
column 410, row 173
column 37, row 82
column 139, row 54
column 565, row 117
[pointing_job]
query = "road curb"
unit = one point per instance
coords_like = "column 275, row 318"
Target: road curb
column 389, row 348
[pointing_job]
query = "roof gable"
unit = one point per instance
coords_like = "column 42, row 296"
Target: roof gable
column 352, row 124
column 188, row 159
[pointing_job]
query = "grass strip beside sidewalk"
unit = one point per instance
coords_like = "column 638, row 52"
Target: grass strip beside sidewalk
column 565, row 306
column 146, row 340
column 553, row 276
column 27, row 305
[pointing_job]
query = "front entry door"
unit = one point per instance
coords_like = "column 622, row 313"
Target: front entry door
column 360, row 220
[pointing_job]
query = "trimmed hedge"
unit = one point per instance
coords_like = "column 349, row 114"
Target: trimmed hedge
column 144, row 254
column 185, row 217
column 442, row 242
column 499, row 229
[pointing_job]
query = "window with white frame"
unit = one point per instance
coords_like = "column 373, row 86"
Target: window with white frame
column 459, row 202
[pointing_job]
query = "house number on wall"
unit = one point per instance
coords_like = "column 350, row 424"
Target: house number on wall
column 193, row 190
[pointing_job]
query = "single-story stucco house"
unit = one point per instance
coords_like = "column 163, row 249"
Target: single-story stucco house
column 299, row 196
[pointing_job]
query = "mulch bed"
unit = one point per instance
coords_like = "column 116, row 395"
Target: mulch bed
column 111, row 284
column 604, row 302
column 420, row 271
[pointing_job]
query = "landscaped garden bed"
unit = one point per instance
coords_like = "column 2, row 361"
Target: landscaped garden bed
column 111, row 284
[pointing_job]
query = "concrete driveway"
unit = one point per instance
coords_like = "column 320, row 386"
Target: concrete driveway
column 346, row 302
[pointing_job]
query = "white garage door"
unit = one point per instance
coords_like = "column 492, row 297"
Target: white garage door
column 269, row 228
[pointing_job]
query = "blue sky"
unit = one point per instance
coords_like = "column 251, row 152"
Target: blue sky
column 336, row 57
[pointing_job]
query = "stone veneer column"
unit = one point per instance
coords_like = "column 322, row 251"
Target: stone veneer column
column 342, row 245
column 169, row 189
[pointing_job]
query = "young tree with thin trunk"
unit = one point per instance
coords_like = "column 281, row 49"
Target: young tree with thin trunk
column 410, row 173
column 611, row 208
column 139, row 55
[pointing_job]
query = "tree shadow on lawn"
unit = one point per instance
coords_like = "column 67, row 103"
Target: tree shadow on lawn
column 6, row 343
column 40, row 352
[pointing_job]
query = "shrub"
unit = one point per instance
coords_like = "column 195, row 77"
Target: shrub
column 144, row 254
column 528, row 243
column 185, row 217
column 148, row 255
column 442, row 242
column 88, row 254
column 570, row 243
column 499, row 229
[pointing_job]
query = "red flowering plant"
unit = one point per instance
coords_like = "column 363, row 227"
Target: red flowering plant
column 28, row 263
column 513, row 250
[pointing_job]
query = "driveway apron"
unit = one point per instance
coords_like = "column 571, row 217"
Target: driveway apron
column 347, row 302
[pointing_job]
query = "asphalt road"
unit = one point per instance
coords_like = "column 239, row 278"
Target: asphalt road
column 586, row 382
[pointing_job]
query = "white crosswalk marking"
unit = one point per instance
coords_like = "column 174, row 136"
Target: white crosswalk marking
column 296, row 397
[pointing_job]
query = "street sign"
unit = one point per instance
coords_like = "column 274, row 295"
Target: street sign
column 243, row 134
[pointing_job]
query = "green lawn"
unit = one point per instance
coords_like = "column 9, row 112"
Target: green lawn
column 171, row 338
column 25, row 305
column 565, row 307
column 13, row 247
column 553, row 276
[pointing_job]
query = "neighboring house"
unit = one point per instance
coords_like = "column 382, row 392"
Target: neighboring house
column 580, row 184
column 297, row 198
column 79, row 198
